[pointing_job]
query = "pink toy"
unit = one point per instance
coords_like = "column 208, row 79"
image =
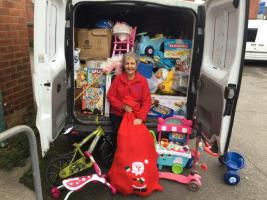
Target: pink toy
column 123, row 39
column 176, row 155
column 192, row 180
column 113, row 63
column 75, row 184
column 175, row 124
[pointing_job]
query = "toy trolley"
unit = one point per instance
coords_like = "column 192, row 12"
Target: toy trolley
column 174, row 151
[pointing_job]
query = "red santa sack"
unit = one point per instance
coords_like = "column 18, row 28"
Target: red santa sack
column 134, row 169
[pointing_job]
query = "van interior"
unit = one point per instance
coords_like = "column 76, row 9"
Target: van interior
column 150, row 20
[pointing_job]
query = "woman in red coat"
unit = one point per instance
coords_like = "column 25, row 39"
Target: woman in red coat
column 129, row 83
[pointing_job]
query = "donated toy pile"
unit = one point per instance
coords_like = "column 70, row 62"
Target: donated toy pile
column 164, row 62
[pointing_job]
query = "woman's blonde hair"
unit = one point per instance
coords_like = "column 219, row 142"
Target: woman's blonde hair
column 130, row 55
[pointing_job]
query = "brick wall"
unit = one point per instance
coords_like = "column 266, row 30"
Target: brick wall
column 29, row 7
column 253, row 9
column 15, row 70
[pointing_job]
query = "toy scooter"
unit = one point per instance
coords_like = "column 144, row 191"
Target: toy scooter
column 178, row 156
column 75, row 184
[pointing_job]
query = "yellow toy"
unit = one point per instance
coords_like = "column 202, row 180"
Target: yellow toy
column 166, row 86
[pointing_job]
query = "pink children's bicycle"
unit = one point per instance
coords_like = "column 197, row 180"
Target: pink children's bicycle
column 77, row 183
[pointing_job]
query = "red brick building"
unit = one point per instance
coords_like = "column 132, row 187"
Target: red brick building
column 253, row 9
column 15, row 69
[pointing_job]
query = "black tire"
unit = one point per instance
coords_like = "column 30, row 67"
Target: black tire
column 107, row 150
column 53, row 168
column 193, row 186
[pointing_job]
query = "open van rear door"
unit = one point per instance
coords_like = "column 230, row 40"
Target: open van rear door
column 221, row 70
column 49, row 75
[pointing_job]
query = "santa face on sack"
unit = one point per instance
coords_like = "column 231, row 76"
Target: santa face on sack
column 137, row 171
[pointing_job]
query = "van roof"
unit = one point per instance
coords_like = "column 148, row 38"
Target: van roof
column 178, row 3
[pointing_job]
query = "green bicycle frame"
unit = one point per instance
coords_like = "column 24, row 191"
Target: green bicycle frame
column 77, row 164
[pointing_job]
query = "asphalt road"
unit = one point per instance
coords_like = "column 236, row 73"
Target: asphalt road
column 248, row 137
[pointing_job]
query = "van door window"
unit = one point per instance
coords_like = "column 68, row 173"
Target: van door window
column 252, row 33
column 51, row 27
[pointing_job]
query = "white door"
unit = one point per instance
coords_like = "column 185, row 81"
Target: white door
column 49, row 69
column 221, row 70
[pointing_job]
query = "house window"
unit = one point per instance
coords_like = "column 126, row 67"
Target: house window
column 252, row 33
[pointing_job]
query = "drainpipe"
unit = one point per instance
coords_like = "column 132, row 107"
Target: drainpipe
column 2, row 120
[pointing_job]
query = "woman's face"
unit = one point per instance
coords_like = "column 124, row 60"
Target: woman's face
column 130, row 66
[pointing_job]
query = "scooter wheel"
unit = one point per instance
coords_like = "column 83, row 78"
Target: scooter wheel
column 231, row 177
column 193, row 186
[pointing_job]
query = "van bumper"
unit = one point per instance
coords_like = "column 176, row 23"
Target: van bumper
column 256, row 56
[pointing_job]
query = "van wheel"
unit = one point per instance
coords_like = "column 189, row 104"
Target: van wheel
column 107, row 152
column 53, row 168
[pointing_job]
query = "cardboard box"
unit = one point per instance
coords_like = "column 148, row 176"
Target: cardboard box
column 94, row 43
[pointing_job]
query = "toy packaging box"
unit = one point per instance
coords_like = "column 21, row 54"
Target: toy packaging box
column 81, row 79
column 176, row 103
column 94, row 97
column 177, row 48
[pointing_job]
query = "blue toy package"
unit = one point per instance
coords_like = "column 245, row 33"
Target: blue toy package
column 162, row 62
column 145, row 69
column 147, row 44
column 160, row 111
column 176, row 48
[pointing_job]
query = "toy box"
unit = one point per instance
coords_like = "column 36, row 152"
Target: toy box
column 176, row 48
column 94, row 97
column 176, row 103
column 81, row 79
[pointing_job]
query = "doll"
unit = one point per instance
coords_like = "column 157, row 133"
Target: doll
column 181, row 76
column 156, row 79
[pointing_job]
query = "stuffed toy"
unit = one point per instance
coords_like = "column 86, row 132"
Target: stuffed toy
column 166, row 86
column 113, row 63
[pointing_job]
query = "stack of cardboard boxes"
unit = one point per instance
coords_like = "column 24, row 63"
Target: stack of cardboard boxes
column 95, row 48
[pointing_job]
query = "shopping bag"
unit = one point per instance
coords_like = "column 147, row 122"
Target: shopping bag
column 134, row 169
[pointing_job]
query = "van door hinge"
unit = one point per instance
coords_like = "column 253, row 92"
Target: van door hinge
column 236, row 3
column 229, row 95
column 68, row 9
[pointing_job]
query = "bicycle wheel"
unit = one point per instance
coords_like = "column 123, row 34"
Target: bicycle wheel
column 107, row 152
column 53, row 168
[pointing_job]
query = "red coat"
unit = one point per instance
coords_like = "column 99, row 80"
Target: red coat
column 137, row 89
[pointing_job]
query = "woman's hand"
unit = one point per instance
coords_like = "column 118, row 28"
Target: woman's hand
column 128, row 108
column 137, row 121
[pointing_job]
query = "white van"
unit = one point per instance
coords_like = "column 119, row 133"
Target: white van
column 256, row 46
column 217, row 30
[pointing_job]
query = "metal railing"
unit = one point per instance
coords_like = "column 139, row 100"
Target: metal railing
column 34, row 154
